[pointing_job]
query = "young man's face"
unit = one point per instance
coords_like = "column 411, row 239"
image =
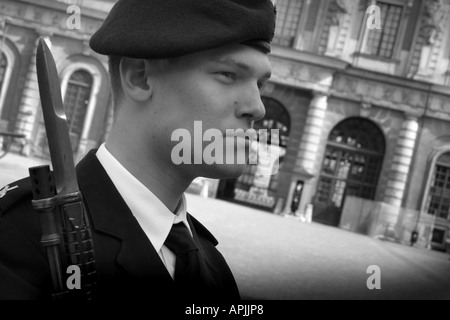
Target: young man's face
column 220, row 88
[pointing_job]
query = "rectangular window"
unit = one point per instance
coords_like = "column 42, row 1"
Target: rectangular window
column 288, row 19
column 381, row 42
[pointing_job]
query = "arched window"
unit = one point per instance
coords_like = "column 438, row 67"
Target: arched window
column 438, row 202
column 3, row 67
column 351, row 166
column 276, row 118
column 76, row 101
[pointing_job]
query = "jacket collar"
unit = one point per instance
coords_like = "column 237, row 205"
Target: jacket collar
column 111, row 217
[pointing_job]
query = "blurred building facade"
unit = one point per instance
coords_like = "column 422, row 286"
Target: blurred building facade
column 83, row 73
column 360, row 96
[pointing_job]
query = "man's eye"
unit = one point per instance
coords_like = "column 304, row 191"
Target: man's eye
column 229, row 75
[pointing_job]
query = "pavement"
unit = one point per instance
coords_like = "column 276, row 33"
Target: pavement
column 280, row 258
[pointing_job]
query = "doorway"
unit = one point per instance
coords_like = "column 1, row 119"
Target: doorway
column 351, row 166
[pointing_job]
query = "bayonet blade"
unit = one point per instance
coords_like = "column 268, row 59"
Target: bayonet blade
column 55, row 121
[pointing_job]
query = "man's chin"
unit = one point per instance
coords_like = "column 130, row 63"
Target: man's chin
column 224, row 171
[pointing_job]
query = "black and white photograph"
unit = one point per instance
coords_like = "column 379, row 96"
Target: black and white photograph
column 222, row 154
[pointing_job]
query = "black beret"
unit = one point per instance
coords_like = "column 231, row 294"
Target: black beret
column 155, row 29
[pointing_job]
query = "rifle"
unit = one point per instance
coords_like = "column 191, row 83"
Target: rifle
column 66, row 235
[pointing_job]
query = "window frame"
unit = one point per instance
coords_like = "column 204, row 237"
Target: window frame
column 349, row 180
column 300, row 26
column 96, row 73
column 433, row 157
column 9, row 57
column 396, row 49
column 71, row 121
column 430, row 194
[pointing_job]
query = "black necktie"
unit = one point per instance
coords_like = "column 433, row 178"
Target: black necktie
column 192, row 274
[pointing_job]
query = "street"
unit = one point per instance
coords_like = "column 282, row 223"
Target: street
column 280, row 258
column 274, row 257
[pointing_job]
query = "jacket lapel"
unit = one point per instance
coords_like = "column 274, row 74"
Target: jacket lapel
column 112, row 219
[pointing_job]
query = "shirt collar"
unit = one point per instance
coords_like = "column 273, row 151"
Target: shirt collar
column 153, row 216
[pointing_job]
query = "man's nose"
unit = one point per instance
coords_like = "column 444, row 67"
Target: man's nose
column 251, row 107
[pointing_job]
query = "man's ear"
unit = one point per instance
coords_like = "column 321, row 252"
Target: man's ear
column 135, row 78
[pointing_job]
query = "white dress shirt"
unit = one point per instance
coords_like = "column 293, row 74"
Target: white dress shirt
column 152, row 215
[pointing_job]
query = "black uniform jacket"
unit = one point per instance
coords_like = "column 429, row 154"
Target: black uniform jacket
column 128, row 266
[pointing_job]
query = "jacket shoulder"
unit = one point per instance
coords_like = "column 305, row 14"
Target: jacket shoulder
column 13, row 194
column 24, row 271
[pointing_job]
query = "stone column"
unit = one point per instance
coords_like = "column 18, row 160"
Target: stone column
column 306, row 164
column 404, row 150
column 30, row 100
column 309, row 145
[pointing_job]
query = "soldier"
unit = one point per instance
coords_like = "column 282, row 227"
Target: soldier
column 171, row 63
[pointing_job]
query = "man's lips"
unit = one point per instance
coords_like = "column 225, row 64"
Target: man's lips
column 248, row 134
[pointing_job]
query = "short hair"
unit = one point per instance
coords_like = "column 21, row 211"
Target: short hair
column 116, row 83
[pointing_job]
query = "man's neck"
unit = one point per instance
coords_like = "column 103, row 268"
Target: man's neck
column 158, row 176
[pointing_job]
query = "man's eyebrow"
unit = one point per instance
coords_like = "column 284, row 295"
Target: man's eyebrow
column 242, row 66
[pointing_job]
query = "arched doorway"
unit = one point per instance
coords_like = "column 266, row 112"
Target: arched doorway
column 351, row 166
column 250, row 188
